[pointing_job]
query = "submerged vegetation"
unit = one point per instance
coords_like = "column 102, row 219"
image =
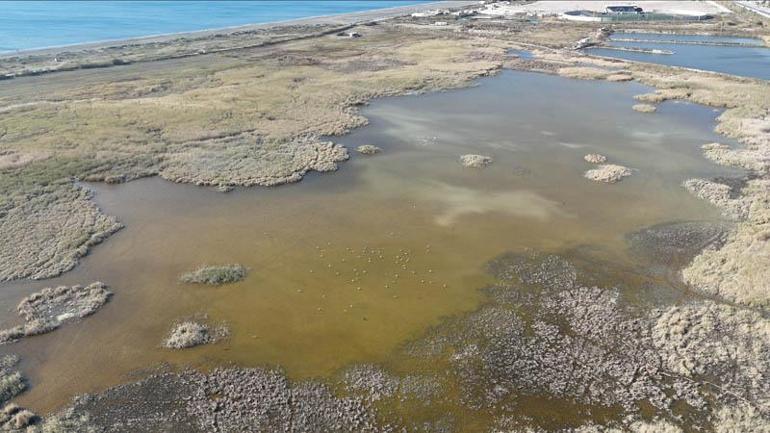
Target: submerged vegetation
column 215, row 275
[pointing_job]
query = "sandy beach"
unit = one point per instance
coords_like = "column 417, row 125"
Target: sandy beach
column 341, row 20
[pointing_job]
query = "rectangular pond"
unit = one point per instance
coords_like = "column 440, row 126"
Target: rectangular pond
column 730, row 55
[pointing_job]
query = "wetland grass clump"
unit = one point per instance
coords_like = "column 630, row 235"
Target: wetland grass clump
column 191, row 333
column 644, row 108
column 368, row 149
column 15, row 418
column 12, row 383
column 595, row 158
column 475, row 161
column 187, row 334
column 48, row 309
column 215, row 275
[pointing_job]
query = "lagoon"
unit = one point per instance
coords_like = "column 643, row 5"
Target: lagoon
column 346, row 268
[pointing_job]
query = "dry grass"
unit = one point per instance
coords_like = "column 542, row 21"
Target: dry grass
column 191, row 333
column 12, row 383
column 586, row 72
column 608, row 173
column 475, row 161
column 64, row 422
column 368, row 149
column 48, row 309
column 700, row 339
column 619, row 77
column 63, row 214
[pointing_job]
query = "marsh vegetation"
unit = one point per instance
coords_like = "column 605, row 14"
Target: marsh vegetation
column 215, row 275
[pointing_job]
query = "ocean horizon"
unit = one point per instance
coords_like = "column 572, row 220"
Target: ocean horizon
column 28, row 25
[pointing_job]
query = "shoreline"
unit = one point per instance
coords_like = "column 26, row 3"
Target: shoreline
column 350, row 18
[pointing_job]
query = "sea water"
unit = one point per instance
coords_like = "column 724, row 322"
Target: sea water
column 28, row 25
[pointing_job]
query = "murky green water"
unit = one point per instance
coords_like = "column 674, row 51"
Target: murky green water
column 345, row 267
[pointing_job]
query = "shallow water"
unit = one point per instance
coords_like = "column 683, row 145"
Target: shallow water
column 747, row 61
column 345, row 267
